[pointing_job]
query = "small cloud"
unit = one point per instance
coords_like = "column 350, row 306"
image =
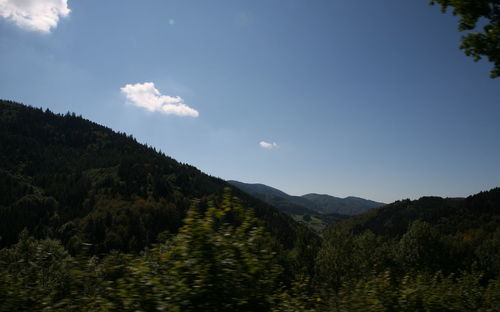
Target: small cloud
column 145, row 95
column 36, row 15
column 268, row 145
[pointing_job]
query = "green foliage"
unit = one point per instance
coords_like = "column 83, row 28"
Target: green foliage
column 421, row 292
column 344, row 257
column 449, row 262
column 32, row 273
column 421, row 248
column 221, row 260
column 218, row 266
column 488, row 255
column 478, row 44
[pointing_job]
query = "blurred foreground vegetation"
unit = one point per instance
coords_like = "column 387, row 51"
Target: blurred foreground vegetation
column 223, row 260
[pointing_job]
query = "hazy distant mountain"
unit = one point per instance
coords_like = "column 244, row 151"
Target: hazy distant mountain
column 348, row 206
column 281, row 200
column 309, row 203
column 299, row 208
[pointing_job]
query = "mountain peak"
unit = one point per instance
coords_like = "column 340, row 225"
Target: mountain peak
column 320, row 203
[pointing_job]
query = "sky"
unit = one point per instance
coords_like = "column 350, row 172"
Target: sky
column 348, row 98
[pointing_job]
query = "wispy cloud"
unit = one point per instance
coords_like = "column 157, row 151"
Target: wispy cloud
column 268, row 145
column 36, row 15
column 145, row 95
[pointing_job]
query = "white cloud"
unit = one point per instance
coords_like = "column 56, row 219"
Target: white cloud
column 268, row 145
column 145, row 95
column 37, row 15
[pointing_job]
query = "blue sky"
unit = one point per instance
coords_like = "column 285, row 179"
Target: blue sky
column 365, row 98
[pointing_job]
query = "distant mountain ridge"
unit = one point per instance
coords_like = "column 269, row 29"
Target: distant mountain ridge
column 312, row 203
column 349, row 206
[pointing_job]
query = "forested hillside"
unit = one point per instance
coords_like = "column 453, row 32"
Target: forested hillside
column 449, row 215
column 91, row 220
column 67, row 178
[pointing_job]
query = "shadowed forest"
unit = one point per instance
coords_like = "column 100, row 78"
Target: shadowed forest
column 92, row 220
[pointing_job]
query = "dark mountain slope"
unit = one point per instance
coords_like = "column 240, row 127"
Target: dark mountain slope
column 257, row 188
column 448, row 215
column 68, row 178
